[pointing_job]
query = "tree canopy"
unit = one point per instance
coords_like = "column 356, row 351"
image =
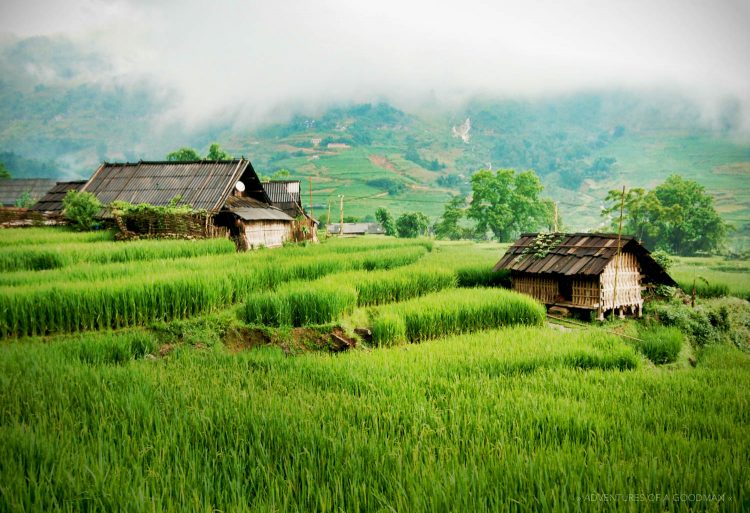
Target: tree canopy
column 507, row 203
column 447, row 227
column 4, row 173
column 187, row 154
column 677, row 216
column 384, row 217
column 216, row 153
column 412, row 224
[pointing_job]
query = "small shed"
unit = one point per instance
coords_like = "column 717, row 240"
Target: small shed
column 260, row 225
column 355, row 229
column 589, row 271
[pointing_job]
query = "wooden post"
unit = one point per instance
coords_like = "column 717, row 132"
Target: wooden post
column 311, row 203
column 341, row 210
column 617, row 255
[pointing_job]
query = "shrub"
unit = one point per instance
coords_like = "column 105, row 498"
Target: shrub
column 80, row 209
column 661, row 344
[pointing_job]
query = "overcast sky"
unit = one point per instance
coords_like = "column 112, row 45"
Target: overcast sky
column 255, row 57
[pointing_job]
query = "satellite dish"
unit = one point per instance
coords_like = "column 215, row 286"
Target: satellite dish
column 239, row 186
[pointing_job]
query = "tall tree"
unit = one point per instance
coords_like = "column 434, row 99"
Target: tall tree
column 4, row 173
column 507, row 203
column 384, row 217
column 677, row 216
column 447, row 227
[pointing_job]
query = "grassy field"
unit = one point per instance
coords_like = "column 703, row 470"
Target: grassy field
column 180, row 380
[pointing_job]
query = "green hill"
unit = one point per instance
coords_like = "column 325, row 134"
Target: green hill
column 375, row 154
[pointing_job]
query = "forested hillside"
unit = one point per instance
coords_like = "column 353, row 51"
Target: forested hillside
column 60, row 117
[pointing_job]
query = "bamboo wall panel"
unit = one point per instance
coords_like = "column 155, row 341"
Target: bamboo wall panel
column 586, row 293
column 267, row 233
column 628, row 283
column 543, row 289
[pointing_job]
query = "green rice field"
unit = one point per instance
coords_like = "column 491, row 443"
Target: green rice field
column 182, row 376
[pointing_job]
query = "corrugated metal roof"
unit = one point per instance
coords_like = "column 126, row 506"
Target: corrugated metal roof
column 251, row 209
column 11, row 189
column 201, row 184
column 357, row 228
column 584, row 254
column 285, row 194
column 53, row 200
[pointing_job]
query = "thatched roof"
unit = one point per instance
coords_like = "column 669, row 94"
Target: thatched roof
column 576, row 254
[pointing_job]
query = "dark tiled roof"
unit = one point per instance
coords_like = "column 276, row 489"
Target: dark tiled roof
column 53, row 200
column 201, row 184
column 585, row 254
column 12, row 189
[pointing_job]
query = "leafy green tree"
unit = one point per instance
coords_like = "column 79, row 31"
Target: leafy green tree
column 385, row 218
column 677, row 216
column 412, row 224
column 183, row 154
column 447, row 227
column 216, row 153
column 507, row 203
column 80, row 209
column 4, row 173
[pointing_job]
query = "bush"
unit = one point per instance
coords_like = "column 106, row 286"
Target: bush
column 80, row 209
column 661, row 344
column 717, row 320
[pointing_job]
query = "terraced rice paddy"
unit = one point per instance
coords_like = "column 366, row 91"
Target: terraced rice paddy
column 142, row 385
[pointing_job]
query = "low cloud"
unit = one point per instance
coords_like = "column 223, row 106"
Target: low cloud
column 255, row 61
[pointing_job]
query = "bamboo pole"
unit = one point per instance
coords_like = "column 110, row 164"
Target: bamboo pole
column 617, row 255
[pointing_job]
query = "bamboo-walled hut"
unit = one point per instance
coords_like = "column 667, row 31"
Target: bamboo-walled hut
column 589, row 271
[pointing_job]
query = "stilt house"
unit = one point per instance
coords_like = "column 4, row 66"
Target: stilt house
column 583, row 271
column 228, row 191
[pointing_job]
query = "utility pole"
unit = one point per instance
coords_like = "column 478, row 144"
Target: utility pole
column 341, row 211
column 555, row 230
column 311, row 203
column 617, row 255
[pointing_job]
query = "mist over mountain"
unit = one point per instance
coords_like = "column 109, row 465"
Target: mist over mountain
column 395, row 105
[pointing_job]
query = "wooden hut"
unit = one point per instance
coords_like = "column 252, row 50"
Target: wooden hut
column 228, row 191
column 583, row 271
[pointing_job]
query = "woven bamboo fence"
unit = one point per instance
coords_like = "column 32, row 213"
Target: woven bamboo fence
column 628, row 283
